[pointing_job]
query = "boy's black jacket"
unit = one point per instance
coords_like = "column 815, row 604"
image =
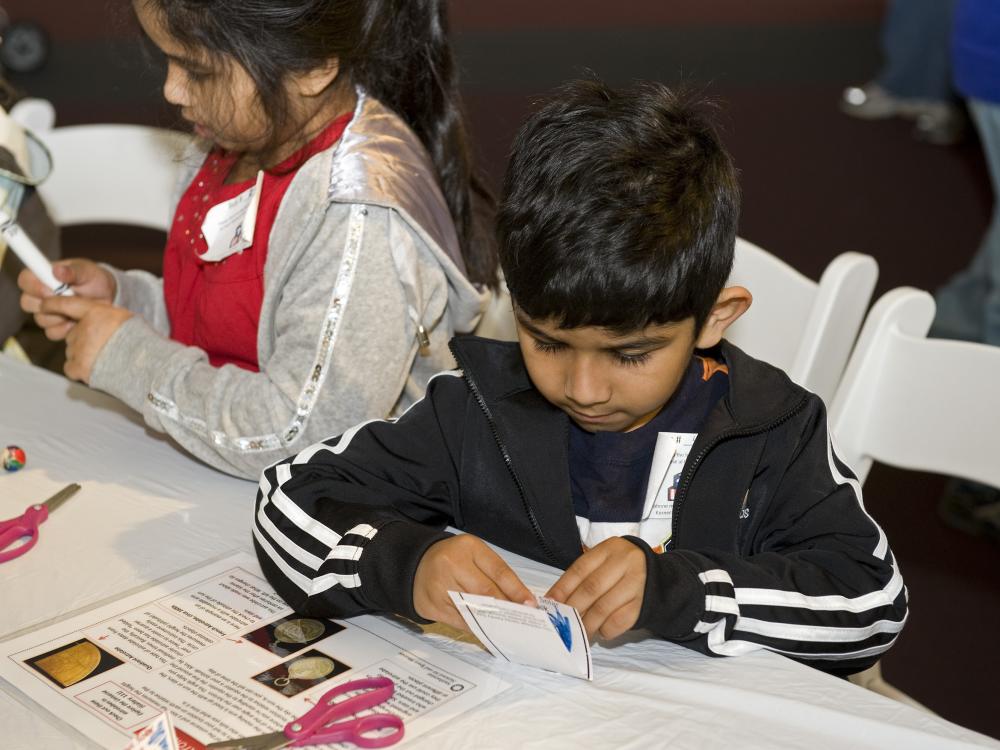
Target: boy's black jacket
column 771, row 544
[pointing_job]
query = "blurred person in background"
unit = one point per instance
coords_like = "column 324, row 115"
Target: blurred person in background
column 968, row 306
column 915, row 81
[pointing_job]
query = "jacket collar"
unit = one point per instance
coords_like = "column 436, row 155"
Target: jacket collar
column 534, row 432
column 758, row 392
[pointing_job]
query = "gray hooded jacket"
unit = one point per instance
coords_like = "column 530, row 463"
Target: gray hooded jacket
column 363, row 265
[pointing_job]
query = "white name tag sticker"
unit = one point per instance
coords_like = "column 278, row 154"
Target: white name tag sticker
column 229, row 226
column 669, row 457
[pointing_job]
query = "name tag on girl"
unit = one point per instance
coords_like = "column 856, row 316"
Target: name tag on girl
column 228, row 227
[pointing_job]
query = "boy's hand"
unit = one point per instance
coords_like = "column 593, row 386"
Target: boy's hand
column 462, row 563
column 606, row 585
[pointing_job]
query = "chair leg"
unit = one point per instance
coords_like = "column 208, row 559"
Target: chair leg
column 872, row 679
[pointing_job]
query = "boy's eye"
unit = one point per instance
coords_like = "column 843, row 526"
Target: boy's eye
column 630, row 360
column 548, row 346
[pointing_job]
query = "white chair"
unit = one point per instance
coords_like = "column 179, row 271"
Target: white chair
column 804, row 327
column 37, row 115
column 916, row 403
column 106, row 173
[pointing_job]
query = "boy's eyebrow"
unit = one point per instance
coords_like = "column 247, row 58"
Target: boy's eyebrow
column 532, row 329
column 638, row 342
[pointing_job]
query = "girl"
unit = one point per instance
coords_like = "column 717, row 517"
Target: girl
column 323, row 250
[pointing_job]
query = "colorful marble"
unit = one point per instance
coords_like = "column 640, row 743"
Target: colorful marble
column 13, row 458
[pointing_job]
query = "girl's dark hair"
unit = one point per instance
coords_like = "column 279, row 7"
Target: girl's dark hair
column 398, row 50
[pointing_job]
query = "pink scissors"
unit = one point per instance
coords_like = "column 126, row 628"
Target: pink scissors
column 326, row 722
column 26, row 524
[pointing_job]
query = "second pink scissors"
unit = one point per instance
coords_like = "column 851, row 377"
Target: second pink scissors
column 328, row 722
column 26, row 525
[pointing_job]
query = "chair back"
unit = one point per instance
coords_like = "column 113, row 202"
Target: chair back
column 918, row 403
column 804, row 327
column 112, row 174
column 38, row 115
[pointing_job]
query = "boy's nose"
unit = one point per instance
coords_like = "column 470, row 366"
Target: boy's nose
column 586, row 385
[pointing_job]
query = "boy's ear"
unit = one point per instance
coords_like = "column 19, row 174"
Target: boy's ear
column 314, row 82
column 731, row 303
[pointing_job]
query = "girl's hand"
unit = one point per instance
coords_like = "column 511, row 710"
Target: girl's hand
column 462, row 563
column 606, row 585
column 87, row 280
column 93, row 323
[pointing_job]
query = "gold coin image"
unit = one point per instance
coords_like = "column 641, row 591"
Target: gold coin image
column 292, row 677
column 310, row 668
column 69, row 666
column 301, row 630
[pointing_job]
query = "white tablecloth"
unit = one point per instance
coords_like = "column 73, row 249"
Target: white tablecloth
column 147, row 511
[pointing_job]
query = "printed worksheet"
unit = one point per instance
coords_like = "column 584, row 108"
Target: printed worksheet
column 220, row 650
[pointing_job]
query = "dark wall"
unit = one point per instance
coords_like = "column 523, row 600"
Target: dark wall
column 815, row 183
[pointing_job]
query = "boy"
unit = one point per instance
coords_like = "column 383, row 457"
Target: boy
column 617, row 227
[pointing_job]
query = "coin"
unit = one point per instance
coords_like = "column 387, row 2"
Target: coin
column 69, row 666
column 310, row 668
column 301, row 630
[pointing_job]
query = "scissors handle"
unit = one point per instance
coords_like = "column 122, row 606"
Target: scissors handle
column 25, row 525
column 319, row 725
column 356, row 731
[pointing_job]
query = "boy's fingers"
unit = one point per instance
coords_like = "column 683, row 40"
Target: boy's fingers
column 442, row 609
column 574, row 575
column 593, row 588
column 508, row 585
column 475, row 581
column 605, row 617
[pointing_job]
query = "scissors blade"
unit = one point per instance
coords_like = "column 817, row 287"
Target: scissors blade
column 61, row 496
column 271, row 741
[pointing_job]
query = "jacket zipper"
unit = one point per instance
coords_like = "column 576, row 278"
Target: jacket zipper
column 690, row 470
column 536, row 527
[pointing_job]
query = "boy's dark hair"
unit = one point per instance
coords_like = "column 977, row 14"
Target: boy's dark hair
column 398, row 50
column 619, row 209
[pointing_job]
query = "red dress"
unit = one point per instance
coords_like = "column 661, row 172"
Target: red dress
column 216, row 305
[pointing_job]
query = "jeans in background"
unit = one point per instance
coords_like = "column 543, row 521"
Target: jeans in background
column 916, row 41
column 968, row 306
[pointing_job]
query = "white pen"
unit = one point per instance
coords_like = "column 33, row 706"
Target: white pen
column 32, row 257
